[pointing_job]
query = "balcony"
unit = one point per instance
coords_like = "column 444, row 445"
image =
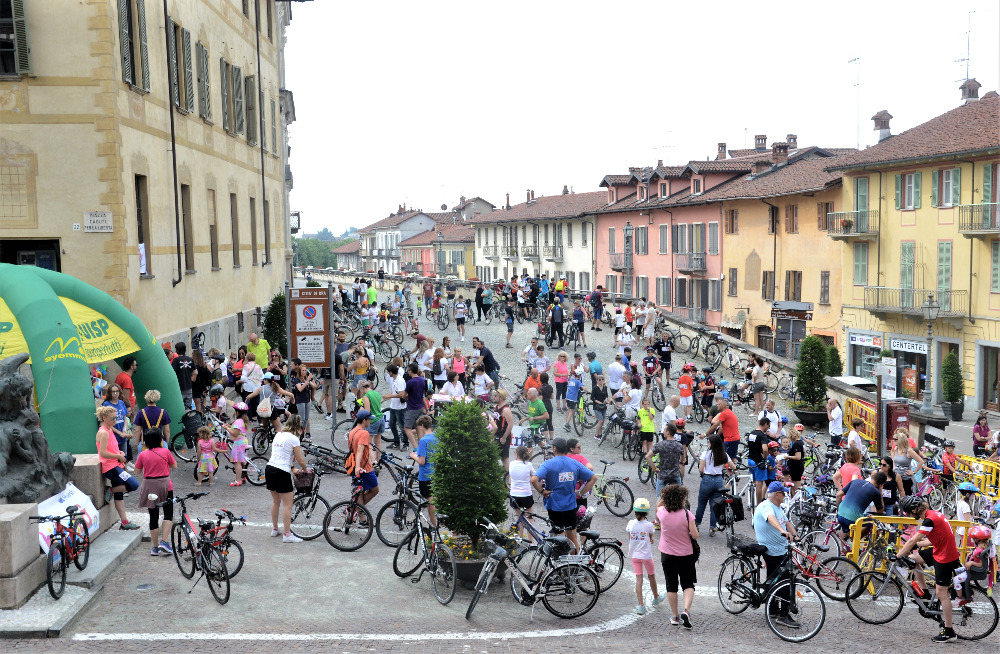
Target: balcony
column 617, row 260
column 553, row 252
column 882, row 301
column 852, row 225
column 979, row 220
column 529, row 252
column 509, row 252
column 392, row 253
column 491, row 251
column 691, row 263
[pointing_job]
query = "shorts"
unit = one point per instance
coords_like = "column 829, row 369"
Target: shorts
column 638, row 565
column 368, row 480
column 424, row 487
column 927, row 554
column 561, row 389
column 510, row 328
column 845, row 524
column 687, row 400
column 944, row 572
column 648, row 331
column 118, row 477
column 758, row 387
column 376, row 427
column 504, row 449
column 459, row 322
column 679, row 571
column 598, row 312
column 795, row 475
column 647, row 436
column 600, row 412
column 410, row 418
column 564, row 519
column 278, row 480
column 524, row 502
column 760, row 472
column 665, row 366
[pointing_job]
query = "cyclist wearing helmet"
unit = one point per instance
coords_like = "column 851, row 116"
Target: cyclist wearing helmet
column 934, row 528
column 967, row 491
column 948, row 460
column 706, row 384
column 651, row 367
column 981, row 562
column 217, row 402
column 238, row 435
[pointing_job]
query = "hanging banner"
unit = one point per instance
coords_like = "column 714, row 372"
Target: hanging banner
column 310, row 326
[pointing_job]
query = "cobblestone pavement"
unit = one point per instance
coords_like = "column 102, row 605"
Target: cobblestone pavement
column 310, row 597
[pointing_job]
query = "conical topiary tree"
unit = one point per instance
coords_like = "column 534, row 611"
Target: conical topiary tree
column 810, row 375
column 274, row 324
column 951, row 378
column 468, row 479
column 834, row 366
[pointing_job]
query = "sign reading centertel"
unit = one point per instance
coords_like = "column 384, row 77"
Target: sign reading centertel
column 899, row 345
column 310, row 330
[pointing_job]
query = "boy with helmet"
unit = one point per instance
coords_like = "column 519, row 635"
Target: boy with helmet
column 706, row 384
column 218, row 403
column 685, row 387
column 948, row 460
column 651, row 367
column 640, row 550
column 967, row 491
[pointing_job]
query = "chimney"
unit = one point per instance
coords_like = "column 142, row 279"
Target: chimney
column 565, row 189
column 532, row 194
column 793, row 141
column 779, row 152
column 528, row 194
column 760, row 142
column 507, row 206
column 722, row 152
column 882, row 124
column 659, row 163
column 970, row 90
column 461, row 199
column 760, row 166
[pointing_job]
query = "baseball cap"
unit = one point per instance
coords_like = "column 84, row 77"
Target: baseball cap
column 363, row 414
column 774, row 487
column 268, row 375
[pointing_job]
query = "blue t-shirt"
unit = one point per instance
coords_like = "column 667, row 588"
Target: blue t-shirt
column 767, row 535
column 543, row 287
column 595, row 367
column 561, row 475
column 415, row 389
column 425, row 448
column 573, row 389
column 857, row 496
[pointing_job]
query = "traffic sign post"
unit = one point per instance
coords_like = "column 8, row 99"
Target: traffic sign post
column 308, row 325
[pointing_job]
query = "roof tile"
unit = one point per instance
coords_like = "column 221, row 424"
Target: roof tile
column 570, row 205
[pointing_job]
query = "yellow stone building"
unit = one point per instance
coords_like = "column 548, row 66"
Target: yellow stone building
column 918, row 220
column 146, row 154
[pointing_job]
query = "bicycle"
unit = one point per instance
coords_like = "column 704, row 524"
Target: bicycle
column 568, row 588
column 613, row 492
column 695, row 447
column 223, row 539
column 348, row 525
column 786, row 387
column 878, row 597
column 398, row 517
column 583, row 417
column 681, row 341
column 182, row 533
column 831, row 575
column 424, row 548
column 783, row 594
column 308, row 505
column 195, row 549
column 66, row 544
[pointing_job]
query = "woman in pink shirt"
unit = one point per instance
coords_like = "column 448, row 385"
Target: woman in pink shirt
column 851, row 469
column 561, row 368
column 575, row 450
column 155, row 463
column 677, row 530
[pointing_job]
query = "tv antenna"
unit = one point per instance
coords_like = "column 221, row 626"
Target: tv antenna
column 857, row 85
column 968, row 49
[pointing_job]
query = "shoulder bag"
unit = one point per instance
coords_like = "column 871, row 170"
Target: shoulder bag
column 695, row 547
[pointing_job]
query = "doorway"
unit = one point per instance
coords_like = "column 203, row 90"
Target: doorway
column 990, row 380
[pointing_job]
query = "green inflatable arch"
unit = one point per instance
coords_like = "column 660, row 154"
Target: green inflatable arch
column 58, row 365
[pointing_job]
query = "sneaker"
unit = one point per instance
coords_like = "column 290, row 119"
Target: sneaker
column 155, row 551
column 291, row 538
column 329, row 416
column 463, row 339
column 685, row 619
column 659, row 600
column 597, row 438
column 275, row 533
column 640, row 610
column 788, row 621
column 674, row 620
column 566, row 427
column 510, row 346
column 711, row 532
column 165, row 547
column 946, row 636
column 131, row 526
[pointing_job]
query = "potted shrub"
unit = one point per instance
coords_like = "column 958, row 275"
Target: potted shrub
column 952, row 386
column 810, row 382
column 847, row 224
column 467, row 482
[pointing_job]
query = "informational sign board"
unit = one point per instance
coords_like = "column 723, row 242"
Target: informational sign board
column 309, row 311
column 866, row 340
column 887, row 368
column 99, row 222
column 786, row 314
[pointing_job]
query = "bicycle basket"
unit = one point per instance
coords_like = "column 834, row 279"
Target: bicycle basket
column 304, row 480
column 192, row 420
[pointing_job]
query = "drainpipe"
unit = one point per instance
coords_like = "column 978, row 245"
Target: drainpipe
column 173, row 151
column 878, row 248
column 259, row 100
column 972, row 200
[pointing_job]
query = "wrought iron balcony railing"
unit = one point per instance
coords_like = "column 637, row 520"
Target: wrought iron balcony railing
column 843, row 225
column 908, row 301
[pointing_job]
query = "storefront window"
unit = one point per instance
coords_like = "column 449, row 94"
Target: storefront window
column 991, row 379
column 863, row 352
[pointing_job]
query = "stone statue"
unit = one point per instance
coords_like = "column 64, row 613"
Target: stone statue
column 29, row 472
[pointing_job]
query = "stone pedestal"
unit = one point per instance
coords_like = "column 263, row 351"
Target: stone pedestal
column 88, row 478
column 22, row 566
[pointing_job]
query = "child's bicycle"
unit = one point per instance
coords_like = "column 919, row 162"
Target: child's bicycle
column 583, row 417
column 66, row 544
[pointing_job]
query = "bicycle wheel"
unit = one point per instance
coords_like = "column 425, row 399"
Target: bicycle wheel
column 770, row 381
column 977, row 619
column 180, row 541
column 617, row 434
column 632, row 446
column 180, row 449
column 307, row 515
column 443, row 573
column 699, row 413
column 832, row 575
column 682, row 344
column 657, row 398
column 217, row 575
column 253, row 470
column 609, row 561
column 485, row 575
column 785, row 388
column 735, row 578
column 395, row 520
column 232, row 554
column 804, row 605
column 259, row 441
column 713, row 355
column 617, row 496
column 570, row 590
column 339, row 434
column 81, row 543
column 874, row 598
column 645, row 472
column 935, row 499
column 696, row 448
column 409, row 555
column 55, row 568
column 348, row 526
column 695, row 347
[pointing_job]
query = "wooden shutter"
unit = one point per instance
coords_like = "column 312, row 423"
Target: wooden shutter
column 899, row 188
column 713, row 238
column 788, row 285
column 277, row 151
column 188, row 70
column 140, row 10
column 988, row 212
column 673, row 239
column 916, row 189
column 239, row 117
column 22, row 43
column 995, row 267
column 935, row 174
column 124, row 29
column 956, row 186
column 263, row 115
column 204, row 84
column 250, row 90
column 223, row 66
column 175, row 90
column 821, row 216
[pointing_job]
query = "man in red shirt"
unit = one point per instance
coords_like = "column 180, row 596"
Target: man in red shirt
column 533, row 381
column 359, row 443
column 124, row 380
column 727, row 421
column 935, row 528
column 685, row 386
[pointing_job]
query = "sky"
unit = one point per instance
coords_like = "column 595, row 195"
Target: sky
column 423, row 102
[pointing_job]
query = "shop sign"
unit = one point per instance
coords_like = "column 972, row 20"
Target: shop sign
column 899, row 345
column 887, row 368
column 866, row 340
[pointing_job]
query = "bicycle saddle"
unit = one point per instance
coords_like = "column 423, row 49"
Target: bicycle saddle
column 607, row 463
column 591, row 534
column 72, row 508
column 442, row 517
column 832, row 455
column 819, row 547
column 205, row 524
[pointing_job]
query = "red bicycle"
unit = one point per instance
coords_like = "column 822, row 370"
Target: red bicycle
column 832, row 574
column 66, row 544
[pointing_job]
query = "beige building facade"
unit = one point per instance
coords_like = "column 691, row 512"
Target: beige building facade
column 146, row 155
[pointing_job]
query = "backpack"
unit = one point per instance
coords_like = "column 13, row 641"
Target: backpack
column 557, row 314
column 437, row 367
column 350, row 464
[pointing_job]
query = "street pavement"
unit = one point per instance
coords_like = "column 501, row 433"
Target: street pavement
column 310, row 597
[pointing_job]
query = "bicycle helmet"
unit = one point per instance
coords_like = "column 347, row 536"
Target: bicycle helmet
column 799, row 427
column 241, row 406
column 680, row 422
column 949, row 443
column 967, row 487
column 641, row 505
column 216, row 389
column 910, row 504
column 784, row 420
column 438, row 293
column 707, row 369
column 722, row 383
column 980, row 532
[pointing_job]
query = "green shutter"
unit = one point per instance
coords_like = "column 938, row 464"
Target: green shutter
column 944, row 275
column 956, row 186
column 175, row 91
column 274, row 137
column 188, row 70
column 239, row 118
column 988, row 212
column 934, row 187
column 899, row 188
column 225, row 94
column 123, row 36
column 861, row 194
column 22, row 44
column 140, row 10
column 263, row 115
column 204, row 84
column 995, row 268
column 916, row 190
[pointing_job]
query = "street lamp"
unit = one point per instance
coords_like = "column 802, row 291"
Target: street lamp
column 440, row 267
column 930, row 309
column 627, row 286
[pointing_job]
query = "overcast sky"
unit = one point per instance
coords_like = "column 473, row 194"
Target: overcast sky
column 421, row 102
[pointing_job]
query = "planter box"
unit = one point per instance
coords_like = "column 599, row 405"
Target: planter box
column 468, row 571
column 811, row 418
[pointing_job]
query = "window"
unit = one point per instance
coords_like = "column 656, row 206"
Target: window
column 611, row 240
column 236, row 92
column 664, row 231
column 246, row 8
column 663, row 189
column 732, row 222
column 275, row 146
column 793, row 285
column 250, row 84
column 234, row 219
column 181, row 71
column 695, row 186
column 270, row 17
column 732, row 281
column 571, row 279
column 132, row 30
column 534, row 234
column 907, row 273
column 642, row 287
column 267, row 234
column 824, row 287
column 263, row 116
column 822, row 209
column 767, row 285
column 204, row 86
column 546, row 235
column 791, row 218
column 861, row 194
column 213, row 229
column 524, row 234
column 713, row 238
column 253, row 230
column 715, row 295
column 583, row 234
column 142, row 224
column 680, row 296
column 944, row 267
column 611, row 284
column 697, row 236
column 908, row 191
column 585, row 281
column 946, row 188
column 772, row 223
column 15, row 49
column 753, row 271
column 950, row 187
column 641, row 240
column 225, row 77
column 861, row 264
column 188, row 226
column 663, row 291
column 569, row 235
column 995, row 267
column 680, row 240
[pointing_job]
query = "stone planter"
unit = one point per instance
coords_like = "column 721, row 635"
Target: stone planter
column 811, row 418
column 468, row 571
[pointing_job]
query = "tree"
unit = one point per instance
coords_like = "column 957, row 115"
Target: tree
column 468, row 480
column 274, row 324
column 834, row 366
column 951, row 379
column 325, row 235
column 810, row 375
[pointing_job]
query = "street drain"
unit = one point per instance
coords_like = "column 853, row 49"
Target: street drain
column 145, row 587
